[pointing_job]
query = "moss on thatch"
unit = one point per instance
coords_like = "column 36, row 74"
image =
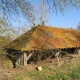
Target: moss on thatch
column 43, row 37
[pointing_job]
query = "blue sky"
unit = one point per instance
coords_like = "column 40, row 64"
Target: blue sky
column 70, row 19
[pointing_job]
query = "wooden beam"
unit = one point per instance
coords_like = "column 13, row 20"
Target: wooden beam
column 29, row 56
column 21, row 60
column 24, row 59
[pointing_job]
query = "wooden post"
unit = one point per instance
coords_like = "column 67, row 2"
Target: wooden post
column 24, row 59
column 57, row 56
column 21, row 60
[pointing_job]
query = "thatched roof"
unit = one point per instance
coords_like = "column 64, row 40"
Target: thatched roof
column 42, row 37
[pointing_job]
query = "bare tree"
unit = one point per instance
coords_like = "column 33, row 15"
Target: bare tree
column 44, row 11
column 6, row 29
column 78, row 27
column 11, row 11
column 24, row 29
column 39, row 15
column 14, row 8
column 3, row 26
column 62, row 5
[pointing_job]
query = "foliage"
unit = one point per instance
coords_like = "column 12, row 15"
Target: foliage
column 3, row 42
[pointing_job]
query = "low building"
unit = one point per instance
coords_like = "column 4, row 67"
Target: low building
column 42, row 38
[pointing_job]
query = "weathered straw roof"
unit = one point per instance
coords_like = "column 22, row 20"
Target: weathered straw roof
column 42, row 37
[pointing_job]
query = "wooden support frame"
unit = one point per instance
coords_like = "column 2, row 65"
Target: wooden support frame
column 21, row 58
column 26, row 57
column 29, row 56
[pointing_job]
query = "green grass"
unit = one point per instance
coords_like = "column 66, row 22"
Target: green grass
column 19, row 78
column 8, row 64
column 75, row 74
column 58, row 77
column 67, row 72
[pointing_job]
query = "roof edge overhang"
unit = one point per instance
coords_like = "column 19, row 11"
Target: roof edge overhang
column 41, row 49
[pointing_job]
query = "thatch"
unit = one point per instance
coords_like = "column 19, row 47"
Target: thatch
column 43, row 37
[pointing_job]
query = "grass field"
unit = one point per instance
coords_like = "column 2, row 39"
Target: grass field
column 69, row 70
